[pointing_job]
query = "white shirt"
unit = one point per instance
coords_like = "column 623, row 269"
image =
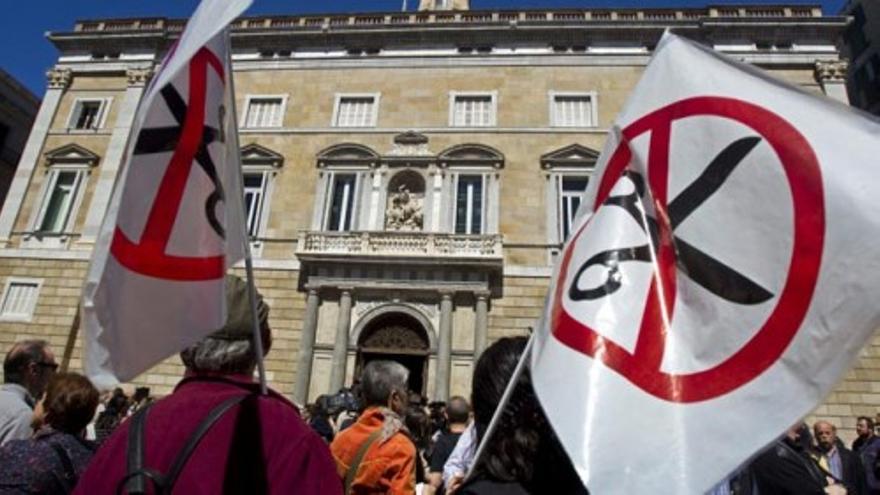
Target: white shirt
column 459, row 462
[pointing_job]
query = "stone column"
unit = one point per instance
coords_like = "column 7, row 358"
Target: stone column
column 481, row 323
column 444, row 348
column 832, row 76
column 306, row 348
column 340, row 345
column 435, row 185
column 377, row 185
column 59, row 80
column 137, row 80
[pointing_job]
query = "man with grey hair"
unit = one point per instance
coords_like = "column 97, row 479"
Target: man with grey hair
column 26, row 371
column 376, row 454
column 216, row 433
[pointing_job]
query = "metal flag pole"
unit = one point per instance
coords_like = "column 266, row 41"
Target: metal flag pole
column 248, row 262
column 505, row 398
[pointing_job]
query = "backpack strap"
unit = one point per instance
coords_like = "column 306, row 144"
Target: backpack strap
column 68, row 479
column 358, row 458
column 196, row 437
column 134, row 481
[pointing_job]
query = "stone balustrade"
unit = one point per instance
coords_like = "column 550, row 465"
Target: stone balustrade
column 403, row 244
column 311, row 22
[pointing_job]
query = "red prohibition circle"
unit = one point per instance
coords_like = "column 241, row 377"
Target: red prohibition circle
column 642, row 366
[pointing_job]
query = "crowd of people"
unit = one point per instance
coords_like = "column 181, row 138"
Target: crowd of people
column 217, row 433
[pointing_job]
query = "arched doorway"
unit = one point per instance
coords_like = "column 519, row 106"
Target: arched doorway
column 396, row 337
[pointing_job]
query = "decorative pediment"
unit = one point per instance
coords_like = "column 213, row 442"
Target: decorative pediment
column 410, row 138
column 71, row 153
column 573, row 155
column 472, row 154
column 408, row 146
column 347, row 154
column 254, row 154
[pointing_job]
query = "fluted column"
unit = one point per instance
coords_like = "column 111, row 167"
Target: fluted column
column 58, row 81
column 306, row 348
column 481, row 323
column 444, row 348
column 340, row 345
column 137, row 80
column 832, row 76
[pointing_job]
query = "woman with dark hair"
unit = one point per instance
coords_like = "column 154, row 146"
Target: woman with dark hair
column 523, row 455
column 419, row 425
column 53, row 459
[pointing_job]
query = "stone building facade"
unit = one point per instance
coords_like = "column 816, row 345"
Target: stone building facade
column 18, row 107
column 409, row 176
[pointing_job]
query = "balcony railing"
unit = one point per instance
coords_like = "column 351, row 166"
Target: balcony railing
column 400, row 244
column 309, row 22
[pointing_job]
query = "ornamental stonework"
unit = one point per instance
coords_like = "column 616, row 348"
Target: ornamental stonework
column 58, row 78
column 138, row 77
column 831, row 71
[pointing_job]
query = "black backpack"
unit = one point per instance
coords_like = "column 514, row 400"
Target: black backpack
column 246, row 438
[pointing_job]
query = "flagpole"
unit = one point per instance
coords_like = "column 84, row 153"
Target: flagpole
column 505, row 398
column 248, row 262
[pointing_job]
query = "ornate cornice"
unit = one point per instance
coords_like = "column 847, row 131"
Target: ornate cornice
column 831, row 71
column 58, row 78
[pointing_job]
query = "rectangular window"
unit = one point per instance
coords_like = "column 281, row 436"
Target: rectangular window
column 469, row 205
column 473, row 111
column 58, row 204
column 4, row 133
column 88, row 114
column 355, row 111
column 572, row 110
column 264, row 112
column 342, row 202
column 254, row 192
column 20, row 299
column 570, row 200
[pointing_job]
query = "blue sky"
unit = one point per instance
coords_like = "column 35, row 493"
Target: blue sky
column 26, row 54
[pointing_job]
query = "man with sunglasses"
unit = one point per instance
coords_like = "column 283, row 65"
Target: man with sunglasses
column 26, row 371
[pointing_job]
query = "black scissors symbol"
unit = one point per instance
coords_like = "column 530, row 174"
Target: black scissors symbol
column 711, row 274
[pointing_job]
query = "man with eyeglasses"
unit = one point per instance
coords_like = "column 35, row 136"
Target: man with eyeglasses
column 26, row 371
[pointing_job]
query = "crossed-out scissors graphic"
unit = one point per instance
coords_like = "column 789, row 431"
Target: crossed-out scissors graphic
column 708, row 272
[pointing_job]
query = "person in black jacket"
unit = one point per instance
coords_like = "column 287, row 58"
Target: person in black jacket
column 836, row 460
column 785, row 468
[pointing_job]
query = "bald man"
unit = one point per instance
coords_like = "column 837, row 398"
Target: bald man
column 836, row 460
column 26, row 371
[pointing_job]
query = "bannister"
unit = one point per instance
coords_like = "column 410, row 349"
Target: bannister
column 309, row 22
column 400, row 244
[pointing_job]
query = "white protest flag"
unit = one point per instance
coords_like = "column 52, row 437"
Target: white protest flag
column 174, row 224
column 720, row 281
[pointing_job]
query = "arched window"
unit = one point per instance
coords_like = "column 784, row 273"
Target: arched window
column 344, row 168
column 474, row 187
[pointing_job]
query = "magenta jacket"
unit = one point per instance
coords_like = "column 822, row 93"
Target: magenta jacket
column 296, row 459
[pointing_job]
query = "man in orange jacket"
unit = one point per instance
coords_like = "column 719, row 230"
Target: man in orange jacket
column 376, row 454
